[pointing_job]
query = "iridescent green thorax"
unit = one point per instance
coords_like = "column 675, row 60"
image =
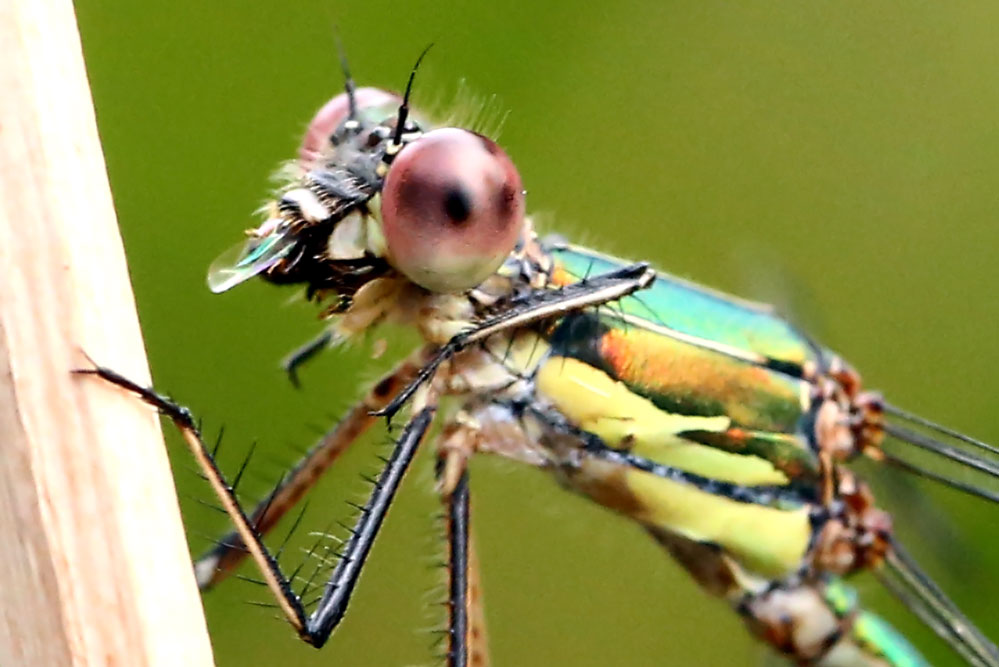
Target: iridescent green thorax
column 724, row 395
column 698, row 353
column 711, row 319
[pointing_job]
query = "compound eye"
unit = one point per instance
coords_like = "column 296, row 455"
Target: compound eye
column 452, row 209
column 333, row 114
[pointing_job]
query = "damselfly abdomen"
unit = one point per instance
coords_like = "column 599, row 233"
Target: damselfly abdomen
column 711, row 422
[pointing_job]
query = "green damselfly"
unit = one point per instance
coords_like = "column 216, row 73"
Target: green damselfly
column 712, row 422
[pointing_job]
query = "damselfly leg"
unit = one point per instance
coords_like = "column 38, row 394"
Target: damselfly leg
column 314, row 628
column 467, row 644
column 217, row 564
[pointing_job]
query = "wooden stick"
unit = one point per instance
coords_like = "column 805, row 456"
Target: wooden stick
column 94, row 568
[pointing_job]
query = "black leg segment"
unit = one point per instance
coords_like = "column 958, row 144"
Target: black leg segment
column 458, row 588
column 333, row 603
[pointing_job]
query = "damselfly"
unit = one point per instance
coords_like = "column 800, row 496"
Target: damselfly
column 711, row 422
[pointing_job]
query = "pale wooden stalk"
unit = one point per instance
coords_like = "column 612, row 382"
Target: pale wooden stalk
column 94, row 568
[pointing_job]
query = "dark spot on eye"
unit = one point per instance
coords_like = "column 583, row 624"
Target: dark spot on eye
column 457, row 205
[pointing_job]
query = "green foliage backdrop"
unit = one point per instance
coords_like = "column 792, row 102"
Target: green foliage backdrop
column 839, row 159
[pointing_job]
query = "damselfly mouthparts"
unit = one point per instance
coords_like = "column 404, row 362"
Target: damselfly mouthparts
column 712, row 422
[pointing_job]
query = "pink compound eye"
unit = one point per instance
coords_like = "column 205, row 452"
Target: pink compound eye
column 373, row 105
column 452, row 209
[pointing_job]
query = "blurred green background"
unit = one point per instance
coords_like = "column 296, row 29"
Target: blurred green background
column 838, row 159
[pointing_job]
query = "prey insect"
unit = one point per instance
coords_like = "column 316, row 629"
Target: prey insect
column 710, row 421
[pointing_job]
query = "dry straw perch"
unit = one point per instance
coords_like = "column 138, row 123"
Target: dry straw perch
column 94, row 569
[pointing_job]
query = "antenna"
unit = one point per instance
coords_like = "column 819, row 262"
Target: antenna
column 348, row 80
column 404, row 107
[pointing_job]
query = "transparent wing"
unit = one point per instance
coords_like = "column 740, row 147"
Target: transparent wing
column 247, row 259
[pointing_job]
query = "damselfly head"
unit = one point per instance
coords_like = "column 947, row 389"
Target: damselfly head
column 314, row 231
column 372, row 194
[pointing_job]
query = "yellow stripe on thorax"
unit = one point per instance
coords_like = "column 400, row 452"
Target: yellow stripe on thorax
column 768, row 541
column 597, row 403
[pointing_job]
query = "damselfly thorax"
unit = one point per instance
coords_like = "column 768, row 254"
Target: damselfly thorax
column 711, row 421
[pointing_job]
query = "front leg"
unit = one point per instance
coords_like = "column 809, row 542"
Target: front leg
column 317, row 627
